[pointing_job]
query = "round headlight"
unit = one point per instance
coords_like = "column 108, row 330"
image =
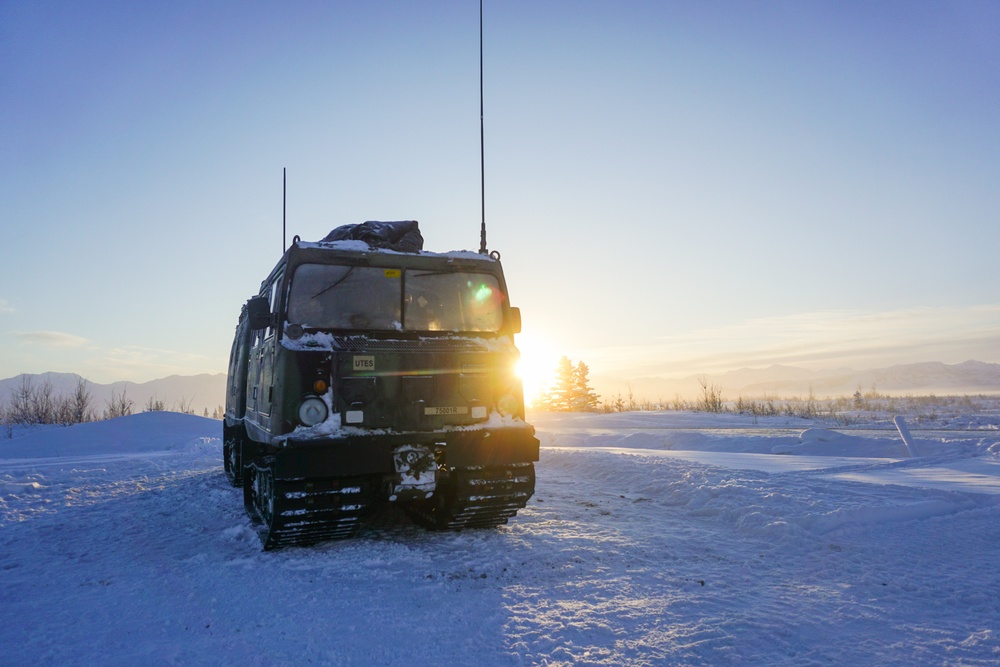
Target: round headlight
column 508, row 405
column 312, row 411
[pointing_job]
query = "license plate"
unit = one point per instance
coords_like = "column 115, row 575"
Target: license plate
column 462, row 410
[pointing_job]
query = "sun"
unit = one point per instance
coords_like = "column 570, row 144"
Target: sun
column 538, row 364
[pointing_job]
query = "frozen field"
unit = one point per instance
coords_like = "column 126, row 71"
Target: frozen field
column 653, row 539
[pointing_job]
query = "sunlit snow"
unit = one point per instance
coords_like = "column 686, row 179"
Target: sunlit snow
column 653, row 539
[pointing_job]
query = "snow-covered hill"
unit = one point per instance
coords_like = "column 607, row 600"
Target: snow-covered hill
column 653, row 539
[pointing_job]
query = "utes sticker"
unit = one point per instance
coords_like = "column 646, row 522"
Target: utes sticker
column 364, row 363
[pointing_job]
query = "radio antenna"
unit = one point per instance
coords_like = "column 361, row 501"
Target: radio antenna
column 284, row 201
column 482, row 140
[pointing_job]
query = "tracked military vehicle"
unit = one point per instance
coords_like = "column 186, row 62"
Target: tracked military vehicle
column 367, row 371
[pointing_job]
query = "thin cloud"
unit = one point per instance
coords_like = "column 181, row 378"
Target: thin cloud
column 52, row 339
column 5, row 307
column 815, row 340
column 41, row 351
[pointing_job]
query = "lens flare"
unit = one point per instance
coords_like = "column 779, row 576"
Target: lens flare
column 484, row 293
column 537, row 365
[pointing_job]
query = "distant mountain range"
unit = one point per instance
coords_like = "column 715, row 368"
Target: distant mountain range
column 969, row 377
column 199, row 393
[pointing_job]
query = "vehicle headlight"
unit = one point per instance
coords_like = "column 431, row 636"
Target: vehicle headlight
column 312, row 411
column 508, row 405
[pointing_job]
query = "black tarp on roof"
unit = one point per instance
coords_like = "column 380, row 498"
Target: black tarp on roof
column 400, row 235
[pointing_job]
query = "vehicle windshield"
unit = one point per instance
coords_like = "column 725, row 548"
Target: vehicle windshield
column 328, row 296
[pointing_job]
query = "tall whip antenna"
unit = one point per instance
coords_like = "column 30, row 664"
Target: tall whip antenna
column 482, row 140
column 284, row 201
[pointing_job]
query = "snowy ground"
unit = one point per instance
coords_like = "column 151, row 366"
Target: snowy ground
column 653, row 539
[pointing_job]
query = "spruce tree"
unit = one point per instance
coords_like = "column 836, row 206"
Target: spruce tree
column 565, row 388
column 584, row 398
column 571, row 391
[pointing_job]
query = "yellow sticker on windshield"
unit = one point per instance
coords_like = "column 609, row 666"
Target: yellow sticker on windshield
column 392, row 273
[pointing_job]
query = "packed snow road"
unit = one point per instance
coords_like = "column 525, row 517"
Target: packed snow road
column 122, row 543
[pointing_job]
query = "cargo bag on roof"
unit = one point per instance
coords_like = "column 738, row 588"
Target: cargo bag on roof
column 399, row 235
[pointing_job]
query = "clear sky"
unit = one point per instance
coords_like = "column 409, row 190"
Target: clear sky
column 675, row 187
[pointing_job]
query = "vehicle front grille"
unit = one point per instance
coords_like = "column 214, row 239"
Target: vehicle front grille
column 366, row 344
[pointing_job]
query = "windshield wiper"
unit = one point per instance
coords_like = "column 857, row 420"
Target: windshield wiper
column 334, row 284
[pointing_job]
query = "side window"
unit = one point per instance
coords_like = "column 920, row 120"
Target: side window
column 273, row 298
column 233, row 361
column 271, row 291
column 257, row 337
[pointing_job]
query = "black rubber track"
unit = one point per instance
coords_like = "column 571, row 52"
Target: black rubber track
column 301, row 512
column 480, row 497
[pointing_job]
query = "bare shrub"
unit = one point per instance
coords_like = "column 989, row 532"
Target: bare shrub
column 630, row 403
column 31, row 404
column 711, row 397
column 5, row 420
column 79, row 404
column 184, row 406
column 615, row 404
column 19, row 410
column 119, row 405
column 154, row 405
column 43, row 405
column 680, row 403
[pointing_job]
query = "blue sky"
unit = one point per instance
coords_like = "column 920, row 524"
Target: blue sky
column 675, row 188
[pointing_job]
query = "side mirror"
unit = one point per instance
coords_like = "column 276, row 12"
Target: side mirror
column 258, row 313
column 515, row 320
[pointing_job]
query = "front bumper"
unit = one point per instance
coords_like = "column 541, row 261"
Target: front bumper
column 365, row 454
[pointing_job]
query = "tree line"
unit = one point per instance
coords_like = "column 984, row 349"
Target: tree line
column 571, row 392
column 30, row 404
column 38, row 404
